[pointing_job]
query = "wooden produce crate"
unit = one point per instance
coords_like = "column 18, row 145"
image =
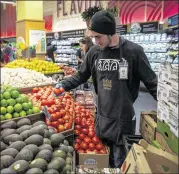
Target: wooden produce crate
column 33, row 118
column 148, row 126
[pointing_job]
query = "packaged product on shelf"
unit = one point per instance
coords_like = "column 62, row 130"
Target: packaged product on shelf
column 144, row 158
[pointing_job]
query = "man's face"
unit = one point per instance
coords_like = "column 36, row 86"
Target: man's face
column 100, row 39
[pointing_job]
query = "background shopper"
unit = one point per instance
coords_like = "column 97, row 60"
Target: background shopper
column 50, row 51
column 117, row 66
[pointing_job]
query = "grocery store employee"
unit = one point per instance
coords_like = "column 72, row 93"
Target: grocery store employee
column 117, row 66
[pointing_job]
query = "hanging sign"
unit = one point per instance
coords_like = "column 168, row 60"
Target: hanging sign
column 74, row 33
column 38, row 38
column 173, row 20
column 135, row 28
column 149, row 27
column 121, row 29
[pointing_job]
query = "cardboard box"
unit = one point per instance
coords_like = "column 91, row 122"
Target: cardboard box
column 165, row 133
column 160, row 89
column 148, row 126
column 144, row 158
column 92, row 160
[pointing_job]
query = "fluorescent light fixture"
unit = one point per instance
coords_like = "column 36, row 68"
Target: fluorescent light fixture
column 8, row 2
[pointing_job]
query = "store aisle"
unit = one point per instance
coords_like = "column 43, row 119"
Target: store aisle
column 144, row 102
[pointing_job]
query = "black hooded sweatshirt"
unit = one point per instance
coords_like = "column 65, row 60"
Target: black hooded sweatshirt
column 115, row 96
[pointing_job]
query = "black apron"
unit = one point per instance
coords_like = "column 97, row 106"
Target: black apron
column 115, row 105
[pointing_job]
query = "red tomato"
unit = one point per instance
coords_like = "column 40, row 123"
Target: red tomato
column 78, row 127
column 53, row 124
column 50, row 110
column 66, row 117
column 54, row 117
column 76, row 146
column 81, row 151
column 87, row 140
column 95, row 140
column 85, row 131
column 35, row 90
column 103, row 151
column 78, row 141
column 78, row 120
column 57, row 91
column 99, row 146
column 88, row 151
column 61, row 128
column 95, row 151
column 67, row 126
column 91, row 146
column 61, row 121
column 81, row 136
column 83, row 146
column 91, row 134
column 62, row 112
column 77, row 132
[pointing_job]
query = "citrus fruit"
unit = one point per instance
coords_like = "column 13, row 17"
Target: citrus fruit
column 25, row 106
column 1, row 97
column 29, row 112
column 6, row 95
column 10, row 109
column 18, row 107
column 4, row 102
column 24, row 98
column 15, row 115
column 19, row 100
column 15, row 94
column 30, row 105
column 35, row 110
column 3, row 110
column 11, row 102
column 22, row 113
column 8, row 116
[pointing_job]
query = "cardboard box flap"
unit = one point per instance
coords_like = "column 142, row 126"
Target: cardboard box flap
column 159, row 152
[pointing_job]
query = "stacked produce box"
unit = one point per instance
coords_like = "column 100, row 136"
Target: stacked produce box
column 167, row 123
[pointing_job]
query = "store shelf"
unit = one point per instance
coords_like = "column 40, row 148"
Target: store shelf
column 140, row 42
column 155, row 51
column 157, row 61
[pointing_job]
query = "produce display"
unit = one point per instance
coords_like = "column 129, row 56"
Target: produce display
column 14, row 104
column 86, row 139
column 61, row 109
column 23, row 78
column 28, row 148
column 41, row 66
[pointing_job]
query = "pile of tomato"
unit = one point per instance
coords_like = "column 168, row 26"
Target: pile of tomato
column 86, row 140
column 61, row 109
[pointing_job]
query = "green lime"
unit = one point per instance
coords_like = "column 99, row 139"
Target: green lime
column 1, row 97
column 11, row 102
column 15, row 115
column 3, row 110
column 8, row 116
column 25, row 106
column 22, row 113
column 29, row 112
column 19, row 100
column 25, row 98
column 2, row 117
column 18, row 107
column 6, row 95
column 4, row 103
column 15, row 94
column 30, row 105
column 35, row 110
column 10, row 109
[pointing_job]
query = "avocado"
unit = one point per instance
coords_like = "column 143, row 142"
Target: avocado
column 46, row 133
column 46, row 146
column 38, row 123
column 23, row 121
column 23, row 128
column 3, row 146
column 25, row 154
column 69, row 155
column 12, row 138
column 67, row 169
column 10, row 124
column 54, row 164
column 10, row 151
column 34, row 171
column 61, row 161
column 7, row 171
column 69, row 160
column 45, row 154
column 46, row 141
column 63, row 147
column 51, row 171
column 39, row 163
column 59, row 153
column 7, row 132
column 65, row 142
column 44, row 126
column 33, row 148
column 56, row 139
column 37, row 130
column 6, row 161
column 20, row 166
column 25, row 134
column 18, row 145
column 35, row 139
column 70, row 149
column 51, row 131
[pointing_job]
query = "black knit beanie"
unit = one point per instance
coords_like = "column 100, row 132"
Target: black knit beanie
column 103, row 22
